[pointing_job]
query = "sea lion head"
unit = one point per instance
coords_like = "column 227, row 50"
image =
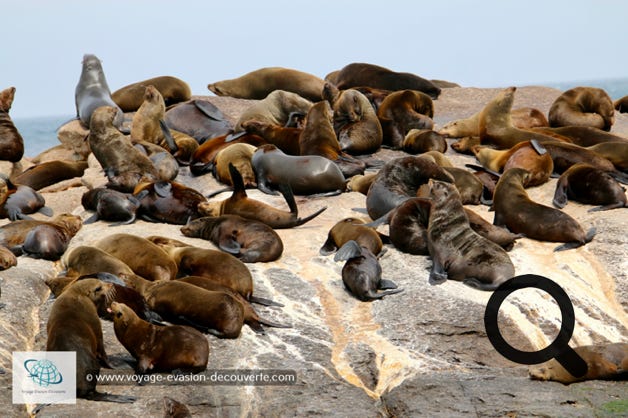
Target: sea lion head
column 102, row 118
column 92, row 72
column 120, row 313
column 6, row 99
column 70, row 222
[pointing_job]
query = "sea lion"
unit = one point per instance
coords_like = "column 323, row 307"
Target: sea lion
column 165, row 163
column 73, row 325
column 203, row 158
column 21, row 201
column 515, row 210
column 141, row 255
column 199, row 119
column 318, row 136
column 586, row 184
column 168, row 201
column 458, row 252
column 306, row 175
column 500, row 236
column 469, row 186
column 284, row 138
column 356, row 124
column 124, row 165
column 110, row 205
column 86, row 260
column 49, row 240
column 583, row 106
column 418, row 141
column 240, row 204
column 50, row 172
column 172, row 89
column 584, row 136
column 604, row 362
column 375, row 96
column 13, row 234
column 615, row 152
column 438, row 157
column 361, row 183
column 93, row 92
column 148, row 122
column 362, row 274
column 249, row 240
column 352, row 229
column 7, row 258
column 238, row 155
column 159, row 348
column 274, row 108
column 522, row 118
column 260, row 83
column 621, row 104
column 407, row 226
column 11, row 142
column 398, row 181
column 402, row 111
column 566, row 155
column 362, row 74
column 175, row 409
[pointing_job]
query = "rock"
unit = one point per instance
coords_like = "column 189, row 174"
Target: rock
column 73, row 136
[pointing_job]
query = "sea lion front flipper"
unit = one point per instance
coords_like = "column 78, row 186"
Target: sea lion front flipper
column 172, row 145
column 607, row 207
column 91, row 219
column 329, row 246
column 384, row 219
column 301, row 221
column 560, row 195
column 233, row 137
column 619, row 176
column 237, row 181
column 481, row 168
column 479, row 285
column 229, row 245
column 256, row 327
column 264, row 301
column 273, row 324
column 540, row 149
column 350, row 249
column 438, row 275
column 208, row 110
column 163, row 189
column 386, row 284
column 47, row 211
column 288, row 195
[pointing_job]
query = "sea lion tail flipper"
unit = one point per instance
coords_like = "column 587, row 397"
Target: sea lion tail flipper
column 47, row 211
column 233, row 137
column 229, row 245
column 540, row 149
column 560, row 195
column 217, row 192
column 103, row 276
column 350, row 249
column 264, row 301
column 385, row 284
column 329, row 246
column 172, row 145
column 607, row 207
column 236, row 180
column 127, row 222
column 208, row 110
column 384, row 219
column 301, row 221
column 371, row 295
column 481, row 168
column 273, row 324
column 325, row 194
column 163, row 189
column 91, row 219
column 256, row 327
column 575, row 244
column 619, row 176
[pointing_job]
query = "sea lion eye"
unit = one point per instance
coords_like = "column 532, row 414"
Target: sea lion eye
column 118, row 314
column 98, row 289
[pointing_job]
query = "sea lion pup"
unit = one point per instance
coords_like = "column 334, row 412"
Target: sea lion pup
column 522, row 118
column 514, row 209
column 621, row 104
column 13, row 234
column 21, row 201
column 159, row 348
column 141, row 255
column 50, row 172
column 238, row 155
column 148, row 122
column 469, row 187
column 73, row 325
column 355, row 122
column 249, row 240
column 274, row 108
column 586, row 184
column 361, row 183
column 172, row 89
column 175, row 409
column 11, row 142
column 7, row 259
column 306, row 175
column 260, row 83
column 199, row 119
column 165, row 163
column 398, row 181
column 203, row 158
column 362, row 274
column 284, row 138
column 240, row 204
column 168, row 202
column 124, row 165
column 615, row 152
column 49, row 240
column 361, row 74
column 93, row 92
column 418, row 141
column 458, row 252
column 110, row 205
column 604, row 362
column 402, row 111
column 583, row 106
column 352, row 229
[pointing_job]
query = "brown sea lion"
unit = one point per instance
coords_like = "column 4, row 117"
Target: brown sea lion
column 168, row 201
column 469, row 186
column 172, row 89
column 458, row 252
column 621, row 104
column 240, row 204
column 50, row 172
column 586, row 184
column 249, row 240
column 13, row 234
column 49, row 240
column 11, row 142
column 274, row 108
column 500, row 236
column 202, row 160
column 260, row 83
column 110, row 205
column 165, row 163
column 148, row 122
column 522, row 118
column 407, row 226
column 361, row 183
column 418, row 141
column 438, row 157
column 356, row 124
column 615, row 152
column 73, row 325
column 238, row 155
column 583, row 106
column 362, row 74
column 352, row 229
column 604, row 362
column 515, row 210
column 21, row 201
column 402, row 111
column 175, row 409
column 584, row 136
column 306, row 175
column 141, row 255
column 375, row 96
column 284, row 138
column 159, row 348
column 199, row 119
column 87, row 260
column 7, row 258
column 362, row 273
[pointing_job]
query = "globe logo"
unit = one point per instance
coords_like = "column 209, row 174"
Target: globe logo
column 43, row 372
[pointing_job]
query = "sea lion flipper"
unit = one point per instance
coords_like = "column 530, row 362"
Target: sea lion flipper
column 264, row 301
column 208, row 110
column 47, row 211
column 256, row 327
column 540, row 149
column 238, row 183
column 619, row 176
column 273, row 324
column 350, row 249
column 438, row 275
column 308, row 218
column 329, row 246
column 607, row 207
column 233, row 137
column 386, row 284
column 229, row 245
column 560, row 195
column 163, row 189
column 91, row 219
column 172, row 145
column 288, row 195
column 481, row 168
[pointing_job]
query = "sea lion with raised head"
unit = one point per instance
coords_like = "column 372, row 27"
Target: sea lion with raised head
column 11, row 142
column 148, row 122
column 172, row 89
column 583, row 106
column 586, row 184
column 402, row 111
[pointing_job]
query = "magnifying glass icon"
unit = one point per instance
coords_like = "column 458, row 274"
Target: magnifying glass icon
column 559, row 348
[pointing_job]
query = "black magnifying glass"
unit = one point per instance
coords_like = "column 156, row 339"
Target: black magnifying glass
column 559, row 348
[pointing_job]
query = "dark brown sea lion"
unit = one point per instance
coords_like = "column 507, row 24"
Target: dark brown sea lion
column 13, row 234
column 240, row 204
column 361, row 74
column 398, row 181
column 515, row 210
column 318, row 136
column 458, row 252
column 402, row 111
column 199, row 119
column 159, row 348
column 239, row 155
column 469, row 186
column 172, row 89
column 274, row 108
column 418, row 141
column 141, row 255
column 375, row 96
column 165, row 163
column 621, row 104
column 11, row 142
column 362, row 273
column 586, row 184
column 93, row 92
column 356, row 124
column 284, row 138
column 500, row 236
column 522, row 118
column 306, row 175
column 604, row 362
column 21, row 201
column 110, row 205
column 49, row 240
column 352, row 229
column 583, row 106
column 260, row 83
column 407, row 225
column 202, row 160
column 168, row 201
column 73, row 325
column 50, row 172
column 249, row 240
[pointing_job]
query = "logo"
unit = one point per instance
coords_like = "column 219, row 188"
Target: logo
column 44, row 377
column 43, row 372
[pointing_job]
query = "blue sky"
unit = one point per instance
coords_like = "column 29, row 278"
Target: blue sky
column 480, row 44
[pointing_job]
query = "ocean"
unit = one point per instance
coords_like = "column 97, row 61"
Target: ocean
column 40, row 133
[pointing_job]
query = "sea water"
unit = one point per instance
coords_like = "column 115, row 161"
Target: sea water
column 40, row 133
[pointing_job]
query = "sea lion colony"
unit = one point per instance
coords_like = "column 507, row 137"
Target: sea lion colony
column 139, row 189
